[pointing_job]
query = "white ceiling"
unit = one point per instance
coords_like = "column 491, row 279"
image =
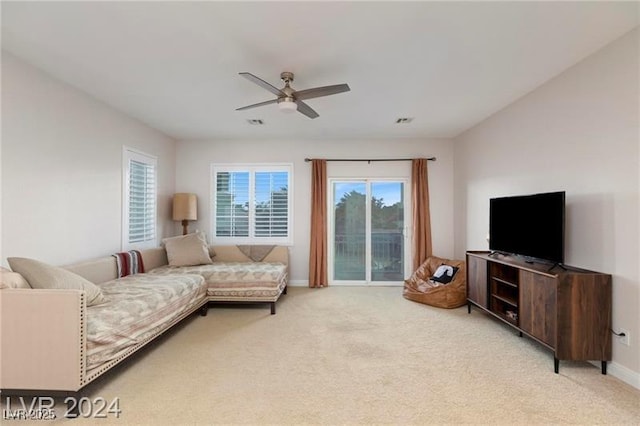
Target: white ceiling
column 174, row 65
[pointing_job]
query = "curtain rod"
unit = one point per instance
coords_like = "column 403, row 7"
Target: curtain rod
column 369, row 160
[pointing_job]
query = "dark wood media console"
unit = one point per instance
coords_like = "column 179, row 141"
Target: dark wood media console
column 566, row 310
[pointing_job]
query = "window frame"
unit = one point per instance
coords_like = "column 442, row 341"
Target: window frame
column 128, row 155
column 251, row 168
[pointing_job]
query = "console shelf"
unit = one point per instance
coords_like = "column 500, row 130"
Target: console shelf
column 566, row 310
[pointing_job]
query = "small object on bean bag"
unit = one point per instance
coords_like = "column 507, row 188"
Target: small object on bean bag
column 444, row 274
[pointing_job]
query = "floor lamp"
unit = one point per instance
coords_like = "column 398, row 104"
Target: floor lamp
column 185, row 208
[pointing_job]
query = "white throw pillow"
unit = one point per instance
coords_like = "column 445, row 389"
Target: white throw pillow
column 41, row 275
column 10, row 279
column 187, row 250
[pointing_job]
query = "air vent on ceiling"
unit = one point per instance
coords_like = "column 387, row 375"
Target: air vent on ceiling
column 255, row 122
column 404, row 120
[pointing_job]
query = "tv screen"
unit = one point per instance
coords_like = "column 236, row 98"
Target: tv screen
column 528, row 225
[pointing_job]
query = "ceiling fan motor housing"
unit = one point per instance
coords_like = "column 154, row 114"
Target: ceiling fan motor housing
column 287, row 103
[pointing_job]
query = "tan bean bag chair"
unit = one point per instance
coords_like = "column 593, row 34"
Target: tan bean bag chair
column 420, row 289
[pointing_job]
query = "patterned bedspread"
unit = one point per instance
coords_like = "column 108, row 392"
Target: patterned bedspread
column 237, row 281
column 139, row 307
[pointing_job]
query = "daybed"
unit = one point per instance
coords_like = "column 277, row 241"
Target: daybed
column 421, row 288
column 54, row 343
column 236, row 277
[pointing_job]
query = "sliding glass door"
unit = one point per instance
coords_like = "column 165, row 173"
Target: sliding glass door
column 367, row 231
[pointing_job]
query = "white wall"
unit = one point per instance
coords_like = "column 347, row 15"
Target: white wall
column 579, row 133
column 193, row 175
column 62, row 168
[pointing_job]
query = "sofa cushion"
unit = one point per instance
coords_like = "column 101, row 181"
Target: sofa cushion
column 249, row 281
column 187, row 250
column 41, row 275
column 10, row 279
column 139, row 307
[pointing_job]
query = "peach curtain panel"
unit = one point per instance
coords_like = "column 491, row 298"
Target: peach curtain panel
column 420, row 213
column 318, row 250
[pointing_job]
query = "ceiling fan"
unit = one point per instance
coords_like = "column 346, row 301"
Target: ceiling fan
column 290, row 100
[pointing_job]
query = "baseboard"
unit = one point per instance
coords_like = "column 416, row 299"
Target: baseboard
column 618, row 371
column 298, row 283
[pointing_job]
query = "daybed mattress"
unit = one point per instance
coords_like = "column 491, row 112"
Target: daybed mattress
column 237, row 281
column 139, row 307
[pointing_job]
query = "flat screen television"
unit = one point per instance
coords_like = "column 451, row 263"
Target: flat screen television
column 531, row 226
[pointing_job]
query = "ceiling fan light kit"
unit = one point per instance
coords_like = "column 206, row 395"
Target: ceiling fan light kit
column 287, row 105
column 290, row 100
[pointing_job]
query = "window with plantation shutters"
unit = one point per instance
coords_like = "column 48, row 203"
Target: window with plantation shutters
column 251, row 204
column 139, row 227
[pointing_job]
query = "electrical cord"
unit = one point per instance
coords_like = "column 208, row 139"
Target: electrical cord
column 618, row 334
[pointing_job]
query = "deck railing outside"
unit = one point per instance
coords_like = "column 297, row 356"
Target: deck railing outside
column 387, row 253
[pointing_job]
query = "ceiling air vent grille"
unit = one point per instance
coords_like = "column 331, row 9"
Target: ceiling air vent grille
column 255, row 122
column 404, row 120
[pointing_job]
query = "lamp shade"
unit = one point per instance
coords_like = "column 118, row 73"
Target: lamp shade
column 185, row 206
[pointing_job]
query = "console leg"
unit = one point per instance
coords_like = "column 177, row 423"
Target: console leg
column 273, row 308
column 604, row 367
column 556, row 365
column 520, row 334
column 285, row 289
column 468, row 308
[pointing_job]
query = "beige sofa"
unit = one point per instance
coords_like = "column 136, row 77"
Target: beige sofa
column 53, row 344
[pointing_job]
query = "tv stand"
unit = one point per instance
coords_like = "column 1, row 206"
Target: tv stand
column 568, row 312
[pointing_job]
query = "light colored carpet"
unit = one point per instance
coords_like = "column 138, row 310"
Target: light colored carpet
column 353, row 355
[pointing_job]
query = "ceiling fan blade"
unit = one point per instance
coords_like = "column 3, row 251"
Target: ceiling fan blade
column 316, row 92
column 272, row 101
column 306, row 110
column 260, row 82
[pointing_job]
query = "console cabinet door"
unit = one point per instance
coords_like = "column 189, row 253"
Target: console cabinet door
column 477, row 280
column 585, row 317
column 538, row 306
